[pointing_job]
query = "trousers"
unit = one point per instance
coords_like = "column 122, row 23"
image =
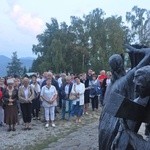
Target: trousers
column 49, row 113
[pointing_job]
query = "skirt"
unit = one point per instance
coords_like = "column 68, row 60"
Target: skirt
column 11, row 115
column 77, row 110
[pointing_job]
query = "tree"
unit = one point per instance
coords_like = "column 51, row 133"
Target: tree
column 24, row 70
column 139, row 19
column 14, row 67
column 86, row 42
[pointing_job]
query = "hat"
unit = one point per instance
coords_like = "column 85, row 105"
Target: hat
column 10, row 81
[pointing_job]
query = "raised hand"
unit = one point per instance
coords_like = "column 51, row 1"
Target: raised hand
column 131, row 49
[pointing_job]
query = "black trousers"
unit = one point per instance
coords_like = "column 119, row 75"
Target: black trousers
column 35, row 107
column 26, row 109
column 94, row 101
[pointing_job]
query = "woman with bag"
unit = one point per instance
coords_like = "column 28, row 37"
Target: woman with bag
column 94, row 91
column 78, row 90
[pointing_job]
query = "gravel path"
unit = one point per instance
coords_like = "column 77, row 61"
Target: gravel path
column 67, row 135
column 40, row 137
column 86, row 138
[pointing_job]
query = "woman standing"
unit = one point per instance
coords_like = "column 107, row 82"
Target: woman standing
column 2, row 87
column 10, row 97
column 26, row 95
column 49, row 97
column 86, row 81
column 78, row 89
column 95, row 84
column 36, row 100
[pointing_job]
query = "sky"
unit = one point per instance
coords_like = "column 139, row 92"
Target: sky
column 23, row 20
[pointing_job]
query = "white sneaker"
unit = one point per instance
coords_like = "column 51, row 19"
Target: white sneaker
column 86, row 113
column 53, row 125
column 47, row 125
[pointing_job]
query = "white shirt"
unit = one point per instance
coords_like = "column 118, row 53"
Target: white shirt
column 36, row 87
column 67, row 89
column 48, row 94
column 60, row 81
column 108, row 81
column 80, row 88
column 26, row 92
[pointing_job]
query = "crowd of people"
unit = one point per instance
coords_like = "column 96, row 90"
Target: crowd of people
column 71, row 93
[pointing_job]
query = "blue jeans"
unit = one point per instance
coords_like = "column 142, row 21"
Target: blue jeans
column 64, row 108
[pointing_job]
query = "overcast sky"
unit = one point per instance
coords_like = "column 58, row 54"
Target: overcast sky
column 22, row 20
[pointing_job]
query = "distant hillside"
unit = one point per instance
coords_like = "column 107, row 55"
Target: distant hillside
column 26, row 61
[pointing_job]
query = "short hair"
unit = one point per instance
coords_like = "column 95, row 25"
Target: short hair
column 34, row 75
column 10, row 81
column 68, row 77
column 25, row 79
column 102, row 71
column 77, row 76
column 49, row 73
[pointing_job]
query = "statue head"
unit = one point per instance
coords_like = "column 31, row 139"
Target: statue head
column 142, row 81
column 117, row 66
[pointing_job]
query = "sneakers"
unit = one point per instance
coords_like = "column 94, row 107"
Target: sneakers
column 34, row 118
column 86, row 113
column 53, row 125
column 47, row 125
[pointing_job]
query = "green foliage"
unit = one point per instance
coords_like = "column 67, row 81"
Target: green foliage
column 139, row 19
column 14, row 67
column 24, row 70
column 86, row 42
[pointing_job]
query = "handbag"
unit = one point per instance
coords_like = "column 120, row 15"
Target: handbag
column 72, row 97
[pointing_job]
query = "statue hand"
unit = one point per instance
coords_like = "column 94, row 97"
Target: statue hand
column 145, row 51
column 131, row 49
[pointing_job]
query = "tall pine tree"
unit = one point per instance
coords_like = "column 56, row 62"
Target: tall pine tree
column 14, row 67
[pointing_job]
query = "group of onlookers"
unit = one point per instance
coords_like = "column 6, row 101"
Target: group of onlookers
column 27, row 95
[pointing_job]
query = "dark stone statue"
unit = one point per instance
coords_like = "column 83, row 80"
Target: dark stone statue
column 128, row 130
column 120, row 101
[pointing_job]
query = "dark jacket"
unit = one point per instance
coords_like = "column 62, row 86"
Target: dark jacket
column 6, row 96
column 63, row 94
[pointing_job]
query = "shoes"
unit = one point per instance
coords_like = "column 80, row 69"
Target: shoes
column 53, row 125
column 25, row 128
column 29, row 128
column 13, row 129
column 38, row 118
column 86, row 113
column 34, row 118
column 47, row 125
column 79, row 121
column 9, row 130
